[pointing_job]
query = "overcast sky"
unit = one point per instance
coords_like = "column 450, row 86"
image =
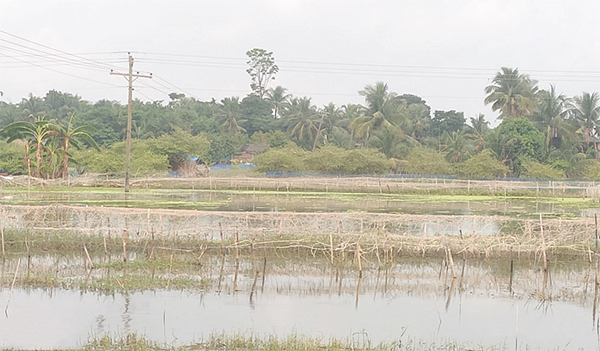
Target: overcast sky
column 445, row 51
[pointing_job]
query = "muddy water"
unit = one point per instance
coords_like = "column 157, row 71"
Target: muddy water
column 306, row 202
column 406, row 302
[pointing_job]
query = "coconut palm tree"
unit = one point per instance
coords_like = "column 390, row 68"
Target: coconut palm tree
column 512, row 93
column 349, row 113
column 330, row 116
column 457, row 146
column 33, row 106
column 300, row 118
column 382, row 110
column 585, row 110
column 550, row 115
column 230, row 112
column 278, row 98
column 479, row 130
column 387, row 140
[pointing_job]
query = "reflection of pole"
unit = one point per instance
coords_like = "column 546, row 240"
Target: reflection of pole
column 130, row 78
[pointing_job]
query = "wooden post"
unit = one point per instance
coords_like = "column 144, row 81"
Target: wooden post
column 124, row 245
column 595, row 221
column 330, row 246
column 87, row 254
column 449, row 253
column 358, row 256
column 2, row 235
column 511, row 276
column 545, row 257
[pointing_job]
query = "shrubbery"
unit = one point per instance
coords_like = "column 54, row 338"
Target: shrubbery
column 533, row 169
column 289, row 158
column 112, row 160
column 148, row 156
column 328, row 160
column 482, row 165
column 592, row 171
column 426, row 161
column 12, row 157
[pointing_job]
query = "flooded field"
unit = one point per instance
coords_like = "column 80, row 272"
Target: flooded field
column 400, row 301
column 264, row 201
column 407, row 271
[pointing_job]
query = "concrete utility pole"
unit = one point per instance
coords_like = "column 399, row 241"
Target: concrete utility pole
column 131, row 77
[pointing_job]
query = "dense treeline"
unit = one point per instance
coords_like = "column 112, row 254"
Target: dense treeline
column 542, row 134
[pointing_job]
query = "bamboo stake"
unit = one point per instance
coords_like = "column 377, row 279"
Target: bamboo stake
column 358, row 255
column 595, row 305
column 253, row 285
column 449, row 253
column 596, row 222
column 87, row 255
column 511, row 276
column 330, row 246
column 12, row 285
column 357, row 291
column 235, row 278
column 2, row 235
column 264, row 273
column 237, row 251
column 221, row 232
column 545, row 257
column 105, row 248
column 124, row 245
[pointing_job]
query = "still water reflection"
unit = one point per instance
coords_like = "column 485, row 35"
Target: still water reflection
column 61, row 318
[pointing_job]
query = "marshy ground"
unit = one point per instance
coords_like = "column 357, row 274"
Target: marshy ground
column 242, row 265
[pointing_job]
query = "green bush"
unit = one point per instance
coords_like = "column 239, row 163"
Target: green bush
column 12, row 157
column 536, row 170
column 112, row 160
column 327, row 160
column 423, row 160
column 482, row 165
column 179, row 146
column 289, row 158
column 592, row 171
column 366, row 161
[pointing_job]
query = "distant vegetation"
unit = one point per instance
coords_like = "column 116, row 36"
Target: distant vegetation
column 542, row 134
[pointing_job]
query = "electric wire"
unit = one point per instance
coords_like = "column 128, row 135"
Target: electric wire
column 82, row 59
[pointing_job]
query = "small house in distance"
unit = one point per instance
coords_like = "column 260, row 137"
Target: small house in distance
column 249, row 151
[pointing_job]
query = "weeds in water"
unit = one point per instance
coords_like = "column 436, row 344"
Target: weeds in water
column 293, row 342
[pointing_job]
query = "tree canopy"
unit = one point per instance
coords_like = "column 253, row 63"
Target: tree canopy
column 542, row 133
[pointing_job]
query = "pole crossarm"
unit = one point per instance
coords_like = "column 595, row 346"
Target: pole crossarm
column 134, row 75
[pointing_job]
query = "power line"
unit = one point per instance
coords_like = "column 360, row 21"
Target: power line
column 90, row 61
column 357, row 66
column 61, row 72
